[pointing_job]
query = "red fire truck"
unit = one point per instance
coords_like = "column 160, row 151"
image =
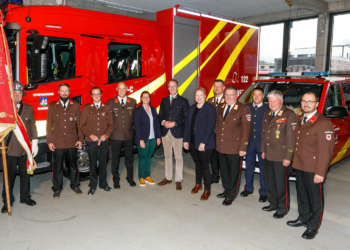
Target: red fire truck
column 334, row 93
column 50, row 45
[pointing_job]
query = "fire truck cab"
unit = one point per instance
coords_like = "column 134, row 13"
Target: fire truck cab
column 334, row 94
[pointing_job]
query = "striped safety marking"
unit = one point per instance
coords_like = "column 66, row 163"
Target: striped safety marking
column 219, row 26
column 231, row 60
column 341, row 152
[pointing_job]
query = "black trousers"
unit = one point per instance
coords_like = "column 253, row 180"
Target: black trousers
column 230, row 168
column 277, row 185
column 59, row 156
column 100, row 154
column 12, row 163
column 310, row 199
column 215, row 167
column 201, row 160
column 116, row 148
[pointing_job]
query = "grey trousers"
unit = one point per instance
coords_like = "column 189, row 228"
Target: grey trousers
column 170, row 143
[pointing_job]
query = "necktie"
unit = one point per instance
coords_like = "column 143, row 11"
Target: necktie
column 273, row 115
column 217, row 101
column 304, row 120
column 97, row 106
column 171, row 101
column 227, row 111
column 64, row 105
column 123, row 103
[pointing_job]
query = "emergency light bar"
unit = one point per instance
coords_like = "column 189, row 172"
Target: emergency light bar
column 316, row 74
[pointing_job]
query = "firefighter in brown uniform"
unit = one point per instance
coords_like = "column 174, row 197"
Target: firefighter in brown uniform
column 16, row 155
column 219, row 98
column 64, row 137
column 97, row 124
column 277, row 147
column 123, row 109
column 314, row 150
column 232, row 129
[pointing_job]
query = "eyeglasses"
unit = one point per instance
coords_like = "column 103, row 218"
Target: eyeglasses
column 226, row 95
column 308, row 102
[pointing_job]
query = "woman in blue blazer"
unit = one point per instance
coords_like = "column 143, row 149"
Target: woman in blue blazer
column 147, row 134
column 199, row 138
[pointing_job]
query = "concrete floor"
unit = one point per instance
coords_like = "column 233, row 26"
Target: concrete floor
column 155, row 217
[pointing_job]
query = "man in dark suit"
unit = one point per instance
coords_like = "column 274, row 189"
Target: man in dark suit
column 257, row 108
column 123, row 109
column 219, row 98
column 16, row 156
column 172, row 115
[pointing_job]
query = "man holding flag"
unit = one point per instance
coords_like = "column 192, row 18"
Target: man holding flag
column 16, row 155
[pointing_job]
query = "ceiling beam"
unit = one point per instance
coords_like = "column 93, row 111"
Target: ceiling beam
column 317, row 6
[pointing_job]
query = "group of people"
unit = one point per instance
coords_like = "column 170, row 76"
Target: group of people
column 218, row 132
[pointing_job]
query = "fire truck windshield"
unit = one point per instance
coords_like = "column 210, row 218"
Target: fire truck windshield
column 292, row 92
column 11, row 36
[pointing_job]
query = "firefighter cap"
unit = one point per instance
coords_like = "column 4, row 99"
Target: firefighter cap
column 17, row 86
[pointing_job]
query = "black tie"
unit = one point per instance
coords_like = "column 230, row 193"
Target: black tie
column 273, row 115
column 97, row 107
column 304, row 119
column 217, row 101
column 123, row 103
column 227, row 111
column 64, row 105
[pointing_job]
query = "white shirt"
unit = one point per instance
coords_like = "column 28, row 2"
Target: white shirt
column 63, row 103
column 230, row 107
column 97, row 105
column 150, row 115
column 277, row 111
column 218, row 99
column 120, row 99
column 18, row 106
column 173, row 96
column 309, row 116
column 257, row 105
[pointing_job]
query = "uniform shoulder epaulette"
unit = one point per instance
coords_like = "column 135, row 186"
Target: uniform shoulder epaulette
column 313, row 119
column 116, row 100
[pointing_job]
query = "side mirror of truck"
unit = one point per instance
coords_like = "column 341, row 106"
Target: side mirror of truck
column 336, row 112
column 38, row 61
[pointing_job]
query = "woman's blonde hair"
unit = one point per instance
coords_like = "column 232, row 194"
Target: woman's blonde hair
column 200, row 89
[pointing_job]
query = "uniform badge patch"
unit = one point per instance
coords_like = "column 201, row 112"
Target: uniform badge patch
column 279, row 121
column 280, row 113
column 222, row 100
column 328, row 137
column 235, row 107
column 294, row 125
column 248, row 117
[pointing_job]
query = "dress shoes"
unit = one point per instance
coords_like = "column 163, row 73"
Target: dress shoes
column 164, row 182
column 28, row 202
column 222, row 195
column 57, row 194
column 196, row 188
column 269, row 208
column 131, row 182
column 4, row 208
column 277, row 215
column 107, row 189
column 91, row 191
column 227, row 202
column 296, row 223
column 309, row 234
column 205, row 195
column 262, row 198
column 77, row 191
column 212, row 181
column 178, row 186
column 245, row 193
column 116, row 185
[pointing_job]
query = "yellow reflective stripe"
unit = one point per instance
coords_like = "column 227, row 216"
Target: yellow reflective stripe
column 231, row 60
column 219, row 26
column 153, row 86
column 203, row 45
column 222, row 43
column 341, row 152
column 184, row 86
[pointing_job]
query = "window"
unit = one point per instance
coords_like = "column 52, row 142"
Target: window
column 346, row 90
column 292, row 92
column 340, row 45
column 302, row 44
column 333, row 97
column 60, row 58
column 271, row 42
column 12, row 43
column 124, row 62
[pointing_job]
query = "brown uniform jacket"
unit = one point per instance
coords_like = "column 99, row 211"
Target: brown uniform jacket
column 95, row 121
column 212, row 101
column 233, row 133
column 63, row 126
column 26, row 113
column 277, row 135
column 123, row 119
column 314, row 147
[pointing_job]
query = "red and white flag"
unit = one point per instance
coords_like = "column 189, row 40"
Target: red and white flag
column 9, row 119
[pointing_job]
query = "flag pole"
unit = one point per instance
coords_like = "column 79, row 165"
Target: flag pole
column 6, row 178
